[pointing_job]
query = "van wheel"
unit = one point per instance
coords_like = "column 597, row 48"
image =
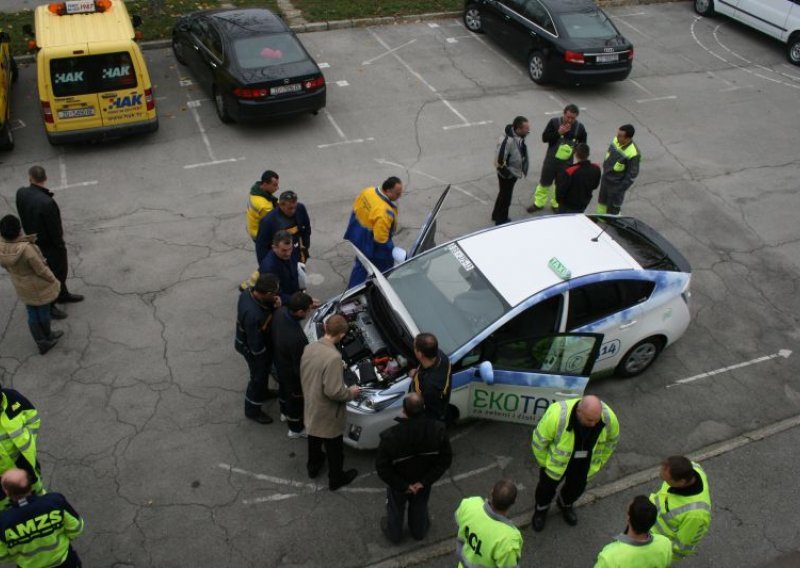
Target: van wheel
column 793, row 49
column 639, row 358
column 177, row 51
column 221, row 106
column 704, row 7
column 6, row 137
column 537, row 68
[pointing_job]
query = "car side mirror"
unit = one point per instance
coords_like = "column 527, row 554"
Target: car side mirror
column 182, row 26
column 136, row 20
column 486, row 372
column 27, row 29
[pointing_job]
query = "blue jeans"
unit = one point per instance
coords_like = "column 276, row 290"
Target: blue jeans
column 38, row 314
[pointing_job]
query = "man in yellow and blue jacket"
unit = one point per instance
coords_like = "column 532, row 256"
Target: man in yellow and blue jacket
column 372, row 225
column 19, row 431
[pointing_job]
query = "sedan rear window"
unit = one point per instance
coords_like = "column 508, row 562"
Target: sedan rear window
column 587, row 25
column 72, row 76
column 267, row 51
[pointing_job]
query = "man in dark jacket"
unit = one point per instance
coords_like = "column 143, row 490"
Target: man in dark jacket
column 432, row 378
column 511, row 162
column 254, row 314
column 279, row 263
column 412, row 455
column 574, row 186
column 288, row 343
column 290, row 215
column 40, row 215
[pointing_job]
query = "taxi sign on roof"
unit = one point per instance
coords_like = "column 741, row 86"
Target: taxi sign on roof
column 558, row 267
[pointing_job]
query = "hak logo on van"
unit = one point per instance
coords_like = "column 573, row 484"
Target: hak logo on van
column 125, row 102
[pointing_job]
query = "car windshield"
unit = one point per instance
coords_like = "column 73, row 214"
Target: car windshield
column 447, row 295
column 267, row 51
column 587, row 25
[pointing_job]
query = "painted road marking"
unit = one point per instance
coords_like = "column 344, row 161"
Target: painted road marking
column 385, row 53
column 785, row 353
column 62, row 171
column 342, row 83
column 343, row 139
column 653, row 96
column 434, row 178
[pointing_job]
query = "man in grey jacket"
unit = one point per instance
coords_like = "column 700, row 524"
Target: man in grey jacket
column 620, row 168
column 511, row 161
column 325, row 396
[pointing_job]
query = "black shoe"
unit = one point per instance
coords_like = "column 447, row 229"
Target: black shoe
column 57, row 313
column 347, row 478
column 261, row 418
column 498, row 223
column 533, row 209
column 386, row 533
column 539, row 519
column 555, row 210
column 568, row 512
column 56, row 334
column 314, row 471
column 69, row 299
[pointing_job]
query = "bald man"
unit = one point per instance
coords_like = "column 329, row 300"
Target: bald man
column 572, row 442
column 37, row 530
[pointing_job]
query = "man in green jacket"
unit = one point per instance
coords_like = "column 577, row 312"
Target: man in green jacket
column 636, row 546
column 19, row 431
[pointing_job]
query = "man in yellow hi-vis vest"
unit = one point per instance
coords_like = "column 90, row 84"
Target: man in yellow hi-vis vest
column 19, row 433
column 620, row 168
column 572, row 442
column 637, row 546
column 684, row 505
column 486, row 536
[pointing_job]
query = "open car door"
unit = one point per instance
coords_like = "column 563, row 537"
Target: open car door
column 516, row 380
column 427, row 235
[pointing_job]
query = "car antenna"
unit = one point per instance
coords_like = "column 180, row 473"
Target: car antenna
column 600, row 234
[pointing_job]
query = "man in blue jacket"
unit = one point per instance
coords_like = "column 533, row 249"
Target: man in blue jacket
column 290, row 215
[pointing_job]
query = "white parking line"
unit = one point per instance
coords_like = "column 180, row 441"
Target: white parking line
column 344, row 140
column 17, row 123
column 434, row 178
column 637, row 30
column 653, row 96
column 785, row 353
column 385, row 53
column 62, row 170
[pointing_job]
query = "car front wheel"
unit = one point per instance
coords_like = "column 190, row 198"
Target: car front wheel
column 537, row 68
column 640, row 357
column 221, row 106
column 704, row 7
column 793, row 49
column 472, row 19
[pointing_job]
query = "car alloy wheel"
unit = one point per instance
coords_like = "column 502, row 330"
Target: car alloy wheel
column 640, row 357
column 793, row 50
column 704, row 7
column 472, row 19
column 536, row 68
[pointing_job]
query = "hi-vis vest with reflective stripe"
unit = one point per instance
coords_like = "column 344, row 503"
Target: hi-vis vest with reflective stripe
column 486, row 539
column 626, row 552
column 552, row 443
column 684, row 519
column 21, row 431
column 620, row 156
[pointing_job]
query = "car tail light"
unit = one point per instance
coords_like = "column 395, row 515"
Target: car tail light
column 314, row 84
column 47, row 112
column 630, row 55
column 574, row 57
column 250, row 93
column 148, row 98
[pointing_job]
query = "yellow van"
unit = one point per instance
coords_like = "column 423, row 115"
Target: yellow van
column 93, row 81
column 8, row 74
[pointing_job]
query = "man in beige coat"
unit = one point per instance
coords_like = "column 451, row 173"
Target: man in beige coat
column 34, row 282
column 325, row 397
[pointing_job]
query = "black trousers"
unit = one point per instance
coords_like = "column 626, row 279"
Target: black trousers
column 290, row 400
column 259, row 367
column 58, row 263
column 334, row 450
column 574, row 484
column 72, row 560
column 503, row 201
column 418, row 520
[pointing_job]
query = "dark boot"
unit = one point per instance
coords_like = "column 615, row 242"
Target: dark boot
column 568, row 512
column 50, row 333
column 539, row 518
column 40, row 336
column 57, row 313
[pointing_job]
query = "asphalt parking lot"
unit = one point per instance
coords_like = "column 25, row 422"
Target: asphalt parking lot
column 141, row 401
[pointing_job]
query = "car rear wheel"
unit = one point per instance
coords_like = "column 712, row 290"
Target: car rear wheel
column 704, row 7
column 793, row 49
column 177, row 51
column 537, row 68
column 221, row 106
column 640, row 357
column 6, row 137
column 472, row 19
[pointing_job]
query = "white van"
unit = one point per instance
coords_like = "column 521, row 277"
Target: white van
column 777, row 18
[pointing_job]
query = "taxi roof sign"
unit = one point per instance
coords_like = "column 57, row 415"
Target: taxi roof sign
column 560, row 270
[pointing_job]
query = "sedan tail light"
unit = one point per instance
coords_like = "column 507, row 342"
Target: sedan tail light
column 630, row 55
column 574, row 57
column 250, row 93
column 149, row 100
column 47, row 112
column 314, row 84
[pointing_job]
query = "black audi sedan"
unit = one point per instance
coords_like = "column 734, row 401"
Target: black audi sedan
column 250, row 62
column 563, row 41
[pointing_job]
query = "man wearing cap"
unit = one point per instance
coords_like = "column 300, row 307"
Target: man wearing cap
column 373, row 222
column 261, row 201
column 637, row 546
column 254, row 314
column 290, row 215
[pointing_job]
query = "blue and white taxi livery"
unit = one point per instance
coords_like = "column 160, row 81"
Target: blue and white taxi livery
column 525, row 324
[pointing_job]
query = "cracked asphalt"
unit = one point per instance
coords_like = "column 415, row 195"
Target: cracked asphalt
column 141, row 401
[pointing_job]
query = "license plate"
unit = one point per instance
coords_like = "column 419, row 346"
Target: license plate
column 607, row 58
column 281, row 89
column 76, row 112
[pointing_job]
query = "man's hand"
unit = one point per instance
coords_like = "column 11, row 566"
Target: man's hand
column 564, row 128
column 415, row 488
column 277, row 303
column 355, row 390
column 413, row 372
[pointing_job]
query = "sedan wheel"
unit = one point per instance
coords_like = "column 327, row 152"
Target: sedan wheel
column 472, row 19
column 640, row 357
column 793, row 50
column 537, row 68
column 177, row 50
column 704, row 7
column 221, row 106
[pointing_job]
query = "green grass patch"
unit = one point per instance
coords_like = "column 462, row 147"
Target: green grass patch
column 321, row 10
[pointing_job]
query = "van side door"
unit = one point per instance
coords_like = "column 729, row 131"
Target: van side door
column 768, row 16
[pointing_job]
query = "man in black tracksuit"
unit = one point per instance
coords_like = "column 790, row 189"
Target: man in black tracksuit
column 432, row 378
column 412, row 455
column 288, row 343
column 574, row 186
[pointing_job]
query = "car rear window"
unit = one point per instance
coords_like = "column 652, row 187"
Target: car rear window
column 267, row 51
column 587, row 25
column 71, row 76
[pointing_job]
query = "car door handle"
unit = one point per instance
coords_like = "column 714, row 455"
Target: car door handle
column 629, row 324
column 196, row 47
